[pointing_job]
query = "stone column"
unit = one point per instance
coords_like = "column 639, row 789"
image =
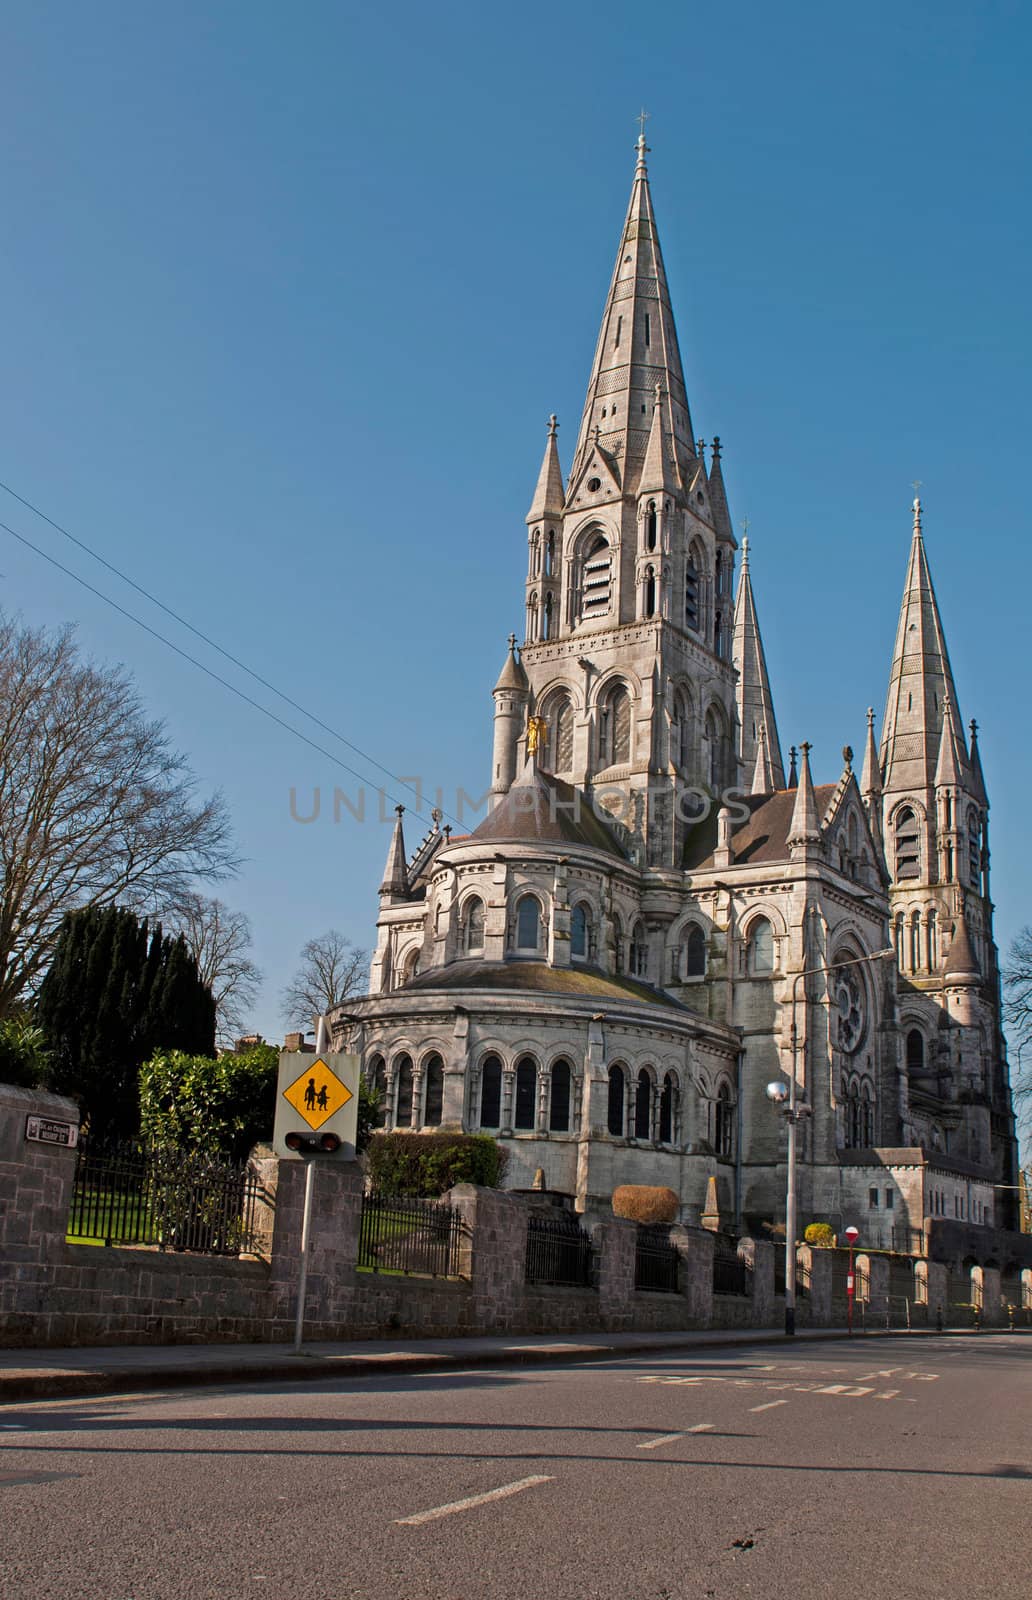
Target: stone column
column 333, row 1245
column 695, row 1247
column 36, row 1181
column 938, row 1292
column 878, row 1287
column 494, row 1254
column 508, row 1096
column 616, row 1241
column 817, row 1266
column 758, row 1255
column 992, row 1298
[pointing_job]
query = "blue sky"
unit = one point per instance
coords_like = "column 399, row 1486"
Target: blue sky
column 289, row 295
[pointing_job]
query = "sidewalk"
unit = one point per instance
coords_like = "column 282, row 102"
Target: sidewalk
column 50, row 1374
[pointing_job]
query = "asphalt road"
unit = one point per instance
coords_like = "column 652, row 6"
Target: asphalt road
column 884, row 1468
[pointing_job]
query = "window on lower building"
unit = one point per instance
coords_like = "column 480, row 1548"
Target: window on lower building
column 723, row 1125
column 643, row 1106
column 526, row 1095
column 433, row 1098
column 617, row 1102
column 403, row 1092
column 491, row 1093
column 559, row 1099
column 528, row 923
column 872, row 1199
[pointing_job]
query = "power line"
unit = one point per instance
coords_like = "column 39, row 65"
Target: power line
column 202, row 666
column 205, row 638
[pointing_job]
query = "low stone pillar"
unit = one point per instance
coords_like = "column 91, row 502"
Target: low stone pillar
column 36, row 1182
column 616, row 1242
column 494, row 1254
column 878, row 1287
column 332, row 1245
column 992, row 1298
column 815, row 1267
column 937, row 1278
column 758, row 1255
column 695, row 1247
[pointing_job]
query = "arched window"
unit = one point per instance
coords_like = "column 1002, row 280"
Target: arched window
column 581, row 931
column 718, row 634
column 472, row 925
column 617, row 1102
column 915, row 941
column 410, row 966
column 974, row 850
column 596, row 579
column 866, row 1116
column 649, row 607
column 528, row 923
column 532, row 618
column 376, row 1077
column 491, row 1093
column 761, row 947
column 915, row 1051
column 693, row 590
column 650, row 526
column 433, row 1095
column 548, row 618
column 723, row 1125
column 535, row 556
column 694, row 948
column 524, row 1112
column 908, row 846
column 550, row 555
column 899, row 940
column 639, row 952
column 717, row 746
column 614, row 728
column 643, row 1106
column 666, row 1111
column 403, row 1092
column 718, row 572
column 559, row 1099
column 558, row 719
column 683, row 731
column 931, row 940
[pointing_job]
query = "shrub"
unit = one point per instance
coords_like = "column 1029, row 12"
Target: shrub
column 221, row 1105
column 641, row 1203
column 24, row 1058
column 430, row 1163
column 821, row 1235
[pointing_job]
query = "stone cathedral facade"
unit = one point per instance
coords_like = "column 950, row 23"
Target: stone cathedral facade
column 656, row 919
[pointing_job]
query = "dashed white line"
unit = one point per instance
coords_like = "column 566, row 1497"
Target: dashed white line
column 769, row 1405
column 473, row 1500
column 702, row 1427
column 664, row 1438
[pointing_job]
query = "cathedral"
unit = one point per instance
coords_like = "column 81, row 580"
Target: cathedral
column 657, row 919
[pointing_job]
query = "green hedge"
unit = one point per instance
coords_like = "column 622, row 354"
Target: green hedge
column 430, row 1163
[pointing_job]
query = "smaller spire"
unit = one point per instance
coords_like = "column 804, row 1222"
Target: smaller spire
column 763, row 777
column 870, row 777
column 718, row 495
column 949, row 767
column 962, row 963
column 805, row 828
column 549, row 495
column 658, row 473
column 513, row 675
column 395, row 873
column 978, row 788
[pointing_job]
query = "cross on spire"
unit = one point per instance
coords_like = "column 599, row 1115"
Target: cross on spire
column 641, row 147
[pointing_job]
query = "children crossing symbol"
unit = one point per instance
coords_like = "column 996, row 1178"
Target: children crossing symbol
column 317, row 1094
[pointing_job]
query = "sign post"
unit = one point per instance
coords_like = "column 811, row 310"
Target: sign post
column 852, row 1235
column 320, row 1093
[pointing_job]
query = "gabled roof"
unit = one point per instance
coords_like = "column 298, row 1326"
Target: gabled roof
column 763, row 838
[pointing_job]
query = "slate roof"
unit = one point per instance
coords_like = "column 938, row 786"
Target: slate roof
column 541, row 808
column 537, row 977
column 763, row 838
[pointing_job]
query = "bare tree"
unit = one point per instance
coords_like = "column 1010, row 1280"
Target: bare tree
column 95, row 805
column 1017, row 982
column 220, row 942
column 331, row 969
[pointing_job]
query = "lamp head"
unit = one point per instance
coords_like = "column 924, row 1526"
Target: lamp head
column 778, row 1092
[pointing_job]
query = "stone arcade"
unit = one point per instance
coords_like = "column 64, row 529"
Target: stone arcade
column 604, row 972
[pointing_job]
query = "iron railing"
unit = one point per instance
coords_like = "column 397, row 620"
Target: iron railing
column 559, row 1252
column 136, row 1194
column 656, row 1261
column 730, row 1275
column 402, row 1233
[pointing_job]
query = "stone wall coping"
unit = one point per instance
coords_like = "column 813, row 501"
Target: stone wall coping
column 172, row 1263
column 38, row 1102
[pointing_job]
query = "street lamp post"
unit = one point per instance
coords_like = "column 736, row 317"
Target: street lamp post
column 793, row 1112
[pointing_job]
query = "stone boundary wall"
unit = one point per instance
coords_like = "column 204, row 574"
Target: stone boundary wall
column 53, row 1293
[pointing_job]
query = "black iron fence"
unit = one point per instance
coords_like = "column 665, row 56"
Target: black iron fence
column 656, row 1260
column 403, row 1234
column 136, row 1194
column 730, row 1274
column 559, row 1252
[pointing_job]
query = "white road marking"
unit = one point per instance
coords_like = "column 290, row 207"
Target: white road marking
column 664, row 1438
column 7, row 1426
column 769, row 1406
column 887, row 1394
column 473, row 1500
column 830, row 1388
column 702, row 1427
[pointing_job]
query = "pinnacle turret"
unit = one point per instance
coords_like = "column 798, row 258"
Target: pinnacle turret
column 549, row 494
column 977, row 777
column 395, row 873
column 805, row 828
column 870, row 776
column 659, row 473
column 755, row 700
column 718, row 495
column 950, row 763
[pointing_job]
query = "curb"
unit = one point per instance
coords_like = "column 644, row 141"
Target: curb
column 60, row 1383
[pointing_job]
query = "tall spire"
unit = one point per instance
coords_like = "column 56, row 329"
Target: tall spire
column 755, row 701
column 637, row 348
column 549, row 494
column 870, row 777
column 395, row 873
column 920, row 682
column 805, row 828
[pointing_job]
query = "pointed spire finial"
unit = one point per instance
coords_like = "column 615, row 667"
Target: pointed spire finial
column 847, row 756
column 870, row 716
column 805, row 828
column 659, row 392
column 512, row 644
column 553, row 426
column 716, row 447
column 700, row 445
column 793, row 774
column 870, row 777
column 917, row 515
column 641, row 147
column 973, row 725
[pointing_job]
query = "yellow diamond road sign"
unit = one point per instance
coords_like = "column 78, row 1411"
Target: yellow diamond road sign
column 317, row 1094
